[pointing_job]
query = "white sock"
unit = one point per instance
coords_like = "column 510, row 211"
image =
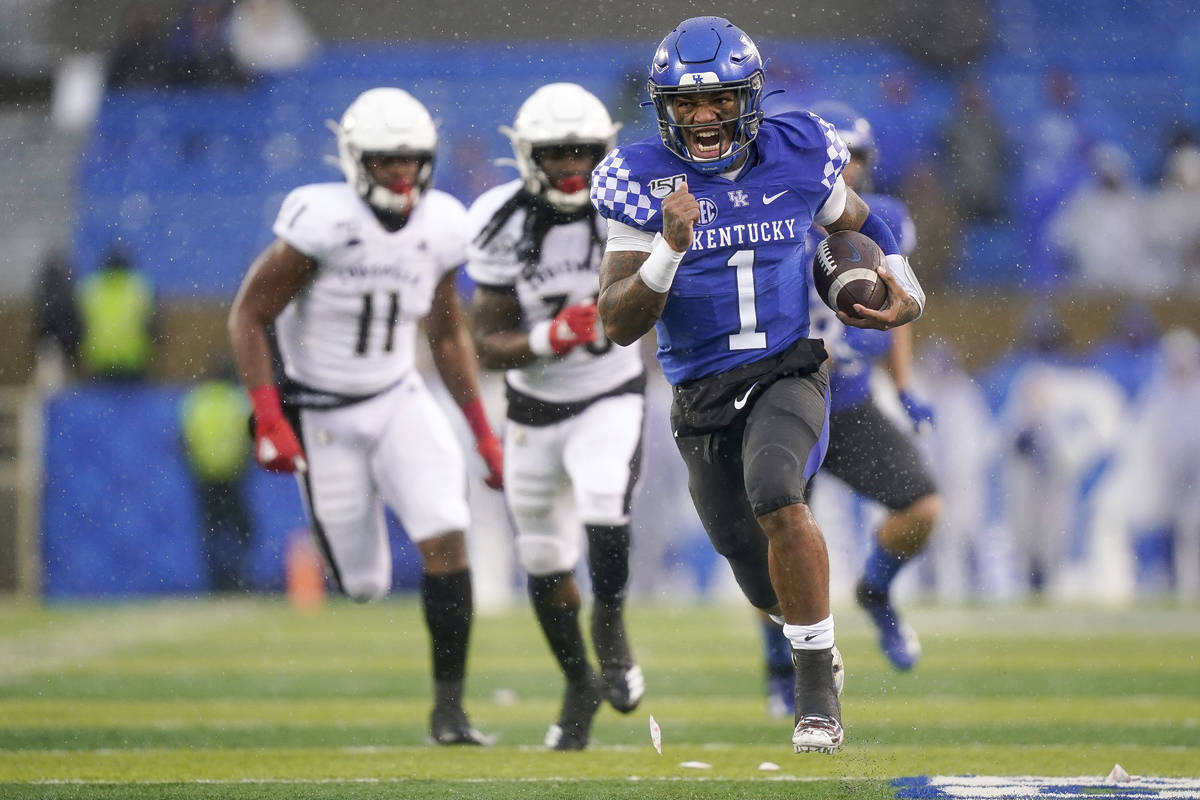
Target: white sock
column 818, row 636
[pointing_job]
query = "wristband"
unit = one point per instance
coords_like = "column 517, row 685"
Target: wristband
column 539, row 339
column 658, row 270
column 901, row 270
column 477, row 419
column 266, row 402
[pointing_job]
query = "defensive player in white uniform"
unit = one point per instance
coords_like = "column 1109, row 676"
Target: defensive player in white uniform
column 354, row 268
column 575, row 402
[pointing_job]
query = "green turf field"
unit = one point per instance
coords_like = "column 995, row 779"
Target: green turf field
column 251, row 699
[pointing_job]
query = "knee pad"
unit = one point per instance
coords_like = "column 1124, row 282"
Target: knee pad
column 602, row 508
column 543, row 555
column 365, row 588
column 774, row 478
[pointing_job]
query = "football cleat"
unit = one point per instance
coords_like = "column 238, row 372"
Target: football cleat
column 817, row 733
column 624, row 687
column 898, row 640
column 449, row 726
column 580, row 702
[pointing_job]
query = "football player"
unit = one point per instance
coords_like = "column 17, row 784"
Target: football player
column 354, row 268
column 706, row 243
column 894, row 472
column 575, row 402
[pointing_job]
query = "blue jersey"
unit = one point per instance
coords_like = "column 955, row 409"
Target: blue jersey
column 859, row 348
column 741, row 293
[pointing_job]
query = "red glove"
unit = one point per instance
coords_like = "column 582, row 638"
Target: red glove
column 276, row 447
column 486, row 443
column 574, row 326
column 493, row 455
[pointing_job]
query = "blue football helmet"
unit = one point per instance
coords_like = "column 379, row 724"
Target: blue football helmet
column 853, row 127
column 705, row 54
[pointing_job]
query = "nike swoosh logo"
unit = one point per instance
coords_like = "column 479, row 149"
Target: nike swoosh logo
column 740, row 402
column 854, row 254
column 771, row 198
column 811, row 636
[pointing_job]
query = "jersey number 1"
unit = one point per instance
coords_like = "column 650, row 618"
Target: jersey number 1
column 747, row 338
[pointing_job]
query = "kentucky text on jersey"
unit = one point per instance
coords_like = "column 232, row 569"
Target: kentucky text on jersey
column 741, row 292
column 743, row 234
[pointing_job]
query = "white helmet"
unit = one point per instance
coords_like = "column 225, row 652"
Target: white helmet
column 559, row 114
column 386, row 121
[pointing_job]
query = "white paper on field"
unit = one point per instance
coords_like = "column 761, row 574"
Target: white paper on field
column 1119, row 775
column 768, row 766
column 655, row 735
column 695, row 765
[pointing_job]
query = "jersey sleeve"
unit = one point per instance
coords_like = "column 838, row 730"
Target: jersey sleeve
column 626, row 238
column 303, row 223
column 493, row 263
column 618, row 194
column 830, row 154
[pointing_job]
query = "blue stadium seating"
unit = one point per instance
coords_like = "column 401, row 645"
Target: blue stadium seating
column 164, row 169
column 189, row 182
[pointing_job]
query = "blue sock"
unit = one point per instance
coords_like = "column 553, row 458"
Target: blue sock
column 776, row 648
column 881, row 569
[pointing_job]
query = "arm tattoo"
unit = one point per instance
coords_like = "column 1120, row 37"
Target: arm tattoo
column 628, row 307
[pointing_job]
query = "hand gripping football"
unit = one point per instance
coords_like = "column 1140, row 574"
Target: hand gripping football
column 844, row 272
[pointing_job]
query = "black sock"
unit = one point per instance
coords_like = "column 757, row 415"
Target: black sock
column 815, row 689
column 448, row 611
column 556, row 604
column 608, row 563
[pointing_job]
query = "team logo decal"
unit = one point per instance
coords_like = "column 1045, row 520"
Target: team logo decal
column 708, row 211
column 661, row 187
column 984, row 787
column 739, row 198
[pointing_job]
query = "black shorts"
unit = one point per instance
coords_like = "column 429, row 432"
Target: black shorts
column 762, row 462
column 874, row 457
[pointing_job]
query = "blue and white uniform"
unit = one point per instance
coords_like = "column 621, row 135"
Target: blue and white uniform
column 741, row 293
column 896, row 474
column 855, row 350
column 733, row 336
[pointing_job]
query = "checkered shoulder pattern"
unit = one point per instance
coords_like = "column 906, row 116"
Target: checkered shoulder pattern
column 837, row 156
column 618, row 197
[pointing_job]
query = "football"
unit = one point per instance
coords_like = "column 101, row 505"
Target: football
column 844, row 272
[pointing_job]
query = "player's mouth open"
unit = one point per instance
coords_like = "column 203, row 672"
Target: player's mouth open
column 707, row 142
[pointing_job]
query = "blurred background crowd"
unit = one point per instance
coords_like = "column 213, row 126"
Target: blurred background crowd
column 1049, row 152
